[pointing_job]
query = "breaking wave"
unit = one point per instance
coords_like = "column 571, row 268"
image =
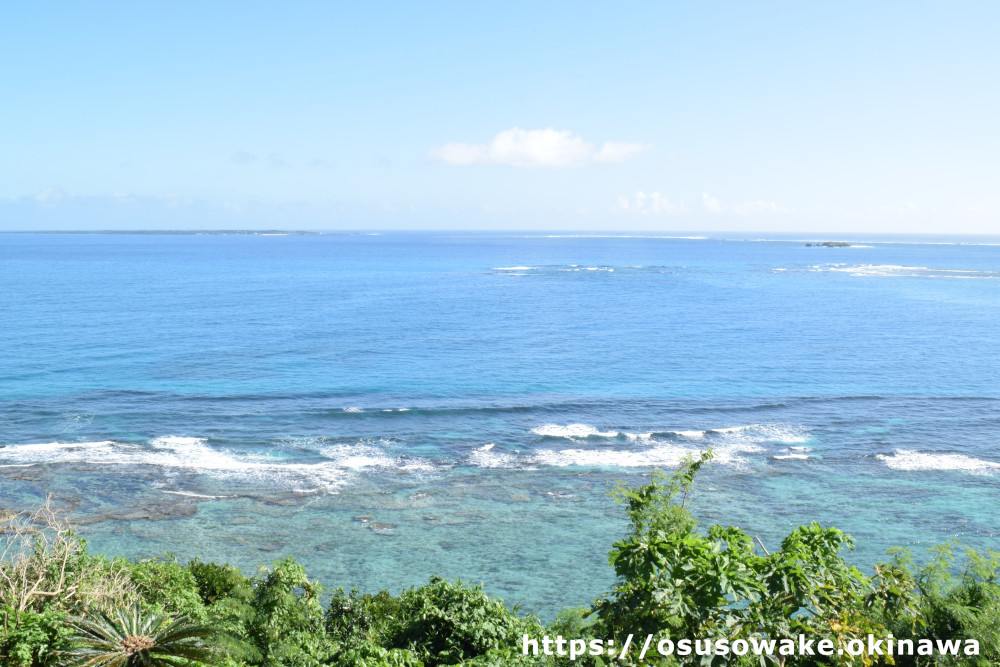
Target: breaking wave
column 571, row 431
column 731, row 445
column 195, row 456
column 897, row 271
column 905, row 459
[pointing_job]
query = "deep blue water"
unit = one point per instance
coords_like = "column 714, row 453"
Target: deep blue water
column 390, row 407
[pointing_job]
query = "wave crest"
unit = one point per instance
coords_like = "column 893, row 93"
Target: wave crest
column 571, row 431
column 911, row 460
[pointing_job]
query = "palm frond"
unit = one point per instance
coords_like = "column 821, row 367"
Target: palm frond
column 131, row 638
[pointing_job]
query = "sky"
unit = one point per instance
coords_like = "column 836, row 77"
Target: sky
column 785, row 116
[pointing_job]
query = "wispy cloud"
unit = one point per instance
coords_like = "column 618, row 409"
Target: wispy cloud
column 754, row 207
column 651, row 203
column 50, row 196
column 243, row 157
column 320, row 163
column 276, row 161
column 536, row 148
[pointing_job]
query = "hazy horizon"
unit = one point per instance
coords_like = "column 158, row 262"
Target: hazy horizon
column 803, row 236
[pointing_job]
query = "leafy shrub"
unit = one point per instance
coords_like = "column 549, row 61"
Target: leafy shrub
column 166, row 587
column 956, row 603
column 353, row 618
column 674, row 581
column 281, row 623
column 445, row 623
column 372, row 655
column 32, row 638
column 217, row 582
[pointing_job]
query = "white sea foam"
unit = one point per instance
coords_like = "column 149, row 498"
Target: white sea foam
column 616, row 236
column 732, row 429
column 487, row 457
column 368, row 454
column 612, row 458
column 689, row 434
column 195, row 456
column 782, row 457
column 583, row 269
column 873, row 243
column 574, row 267
column 660, row 454
column 353, row 409
column 731, row 445
column 755, row 431
column 775, row 433
column 571, row 431
column 905, row 459
column 899, row 271
column 785, row 435
column 188, row 494
column 356, row 457
column 52, row 450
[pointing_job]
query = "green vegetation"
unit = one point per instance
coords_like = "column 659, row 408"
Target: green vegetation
column 128, row 638
column 61, row 605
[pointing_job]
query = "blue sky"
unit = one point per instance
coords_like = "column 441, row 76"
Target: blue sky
column 784, row 116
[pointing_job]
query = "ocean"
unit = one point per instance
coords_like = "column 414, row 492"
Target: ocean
column 387, row 407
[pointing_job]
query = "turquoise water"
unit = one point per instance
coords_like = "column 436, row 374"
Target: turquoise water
column 388, row 407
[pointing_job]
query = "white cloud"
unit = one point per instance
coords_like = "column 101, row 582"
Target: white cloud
column 710, row 203
column 618, row 151
column 651, row 203
column 50, row 196
column 759, row 206
column 536, row 148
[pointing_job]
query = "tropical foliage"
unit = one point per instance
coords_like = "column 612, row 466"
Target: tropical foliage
column 60, row 605
column 135, row 639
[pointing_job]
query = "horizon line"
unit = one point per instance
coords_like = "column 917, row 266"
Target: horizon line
column 688, row 233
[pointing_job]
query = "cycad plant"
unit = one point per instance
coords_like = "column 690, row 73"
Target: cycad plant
column 129, row 638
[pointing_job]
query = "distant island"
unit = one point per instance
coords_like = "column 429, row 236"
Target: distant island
column 829, row 244
column 194, row 232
